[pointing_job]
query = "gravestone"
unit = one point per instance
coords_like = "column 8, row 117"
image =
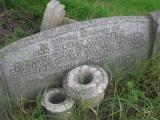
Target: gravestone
column 32, row 63
column 53, row 15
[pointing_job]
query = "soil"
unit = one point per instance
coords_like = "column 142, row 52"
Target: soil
column 10, row 20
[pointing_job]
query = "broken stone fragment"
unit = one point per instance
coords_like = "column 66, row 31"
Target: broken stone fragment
column 68, row 21
column 86, row 84
column 57, row 105
column 53, row 15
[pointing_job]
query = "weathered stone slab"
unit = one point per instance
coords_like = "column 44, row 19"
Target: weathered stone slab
column 39, row 60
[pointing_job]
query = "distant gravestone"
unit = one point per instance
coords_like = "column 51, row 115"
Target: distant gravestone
column 32, row 63
column 53, row 15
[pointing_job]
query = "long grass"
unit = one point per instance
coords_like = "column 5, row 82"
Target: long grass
column 33, row 6
column 88, row 9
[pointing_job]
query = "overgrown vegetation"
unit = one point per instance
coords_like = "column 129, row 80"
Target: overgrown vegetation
column 33, row 6
column 136, row 97
column 88, row 9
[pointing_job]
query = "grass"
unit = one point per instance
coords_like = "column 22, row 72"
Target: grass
column 135, row 97
column 19, row 33
column 88, row 9
column 33, row 6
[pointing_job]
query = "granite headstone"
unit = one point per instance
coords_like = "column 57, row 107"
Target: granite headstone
column 32, row 63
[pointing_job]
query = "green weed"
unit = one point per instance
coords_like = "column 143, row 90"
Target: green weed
column 33, row 6
column 19, row 33
column 88, row 9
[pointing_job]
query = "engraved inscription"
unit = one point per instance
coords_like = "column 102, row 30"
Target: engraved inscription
column 94, row 45
column 51, row 56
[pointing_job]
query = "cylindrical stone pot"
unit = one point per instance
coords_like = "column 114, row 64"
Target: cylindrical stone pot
column 86, row 84
column 57, row 105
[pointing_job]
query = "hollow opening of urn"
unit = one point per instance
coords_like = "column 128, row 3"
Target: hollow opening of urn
column 57, row 98
column 85, row 78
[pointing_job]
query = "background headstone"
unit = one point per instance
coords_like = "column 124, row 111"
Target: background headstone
column 32, row 63
column 53, row 15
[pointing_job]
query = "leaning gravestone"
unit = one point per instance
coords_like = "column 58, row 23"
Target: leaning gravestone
column 32, row 63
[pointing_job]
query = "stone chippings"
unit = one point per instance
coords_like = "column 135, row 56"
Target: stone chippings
column 86, row 84
column 37, row 61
